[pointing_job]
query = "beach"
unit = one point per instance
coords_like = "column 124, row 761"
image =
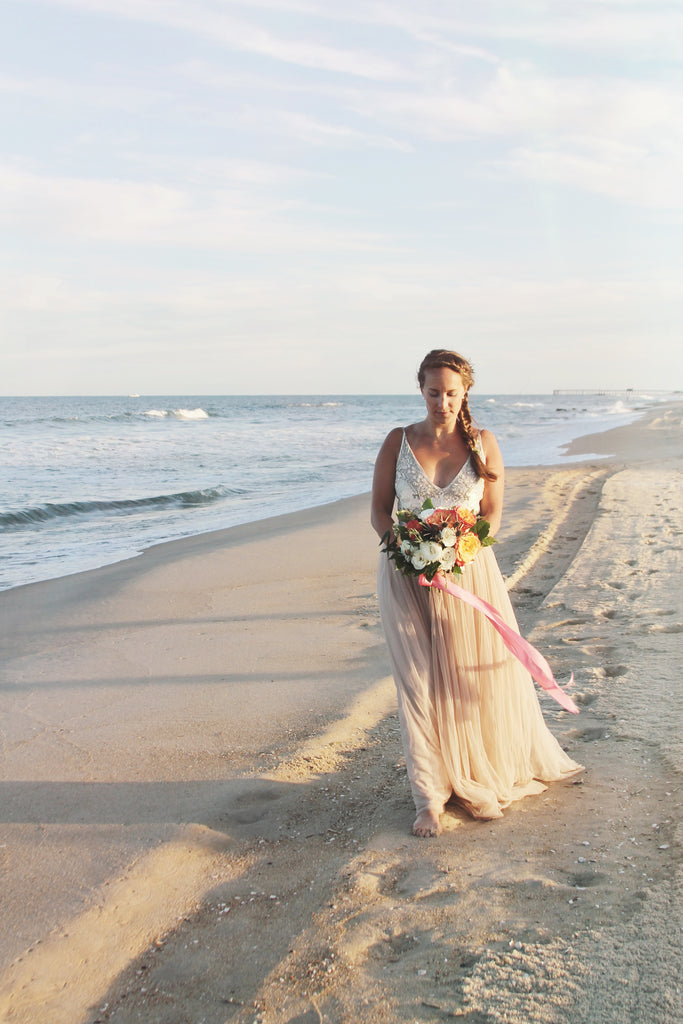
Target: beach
column 205, row 815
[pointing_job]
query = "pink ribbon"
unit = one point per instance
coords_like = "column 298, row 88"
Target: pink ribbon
column 532, row 659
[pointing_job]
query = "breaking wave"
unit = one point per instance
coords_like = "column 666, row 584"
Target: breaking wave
column 179, row 414
column 51, row 511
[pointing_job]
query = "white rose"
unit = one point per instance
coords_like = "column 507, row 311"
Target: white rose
column 430, row 550
column 449, row 536
column 418, row 561
column 406, row 548
column 448, row 559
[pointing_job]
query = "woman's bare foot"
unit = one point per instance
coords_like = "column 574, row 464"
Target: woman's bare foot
column 427, row 825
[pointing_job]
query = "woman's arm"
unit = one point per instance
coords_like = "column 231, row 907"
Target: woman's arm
column 384, row 483
column 492, row 502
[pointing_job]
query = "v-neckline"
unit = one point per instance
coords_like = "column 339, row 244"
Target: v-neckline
column 424, row 471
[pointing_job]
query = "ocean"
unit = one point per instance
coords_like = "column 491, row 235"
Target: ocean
column 85, row 482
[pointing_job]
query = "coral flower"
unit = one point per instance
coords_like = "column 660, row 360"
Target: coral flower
column 443, row 517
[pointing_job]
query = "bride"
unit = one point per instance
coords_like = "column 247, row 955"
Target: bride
column 471, row 723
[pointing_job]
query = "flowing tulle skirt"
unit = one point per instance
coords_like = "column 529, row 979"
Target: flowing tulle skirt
column 470, row 718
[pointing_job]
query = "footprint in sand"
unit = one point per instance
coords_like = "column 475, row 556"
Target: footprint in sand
column 586, row 879
column 368, row 883
column 589, row 734
column 598, row 651
column 310, row 1017
column 253, row 806
column 613, row 671
column 393, row 948
column 420, row 881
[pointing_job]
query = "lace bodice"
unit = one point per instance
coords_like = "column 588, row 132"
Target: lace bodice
column 413, row 486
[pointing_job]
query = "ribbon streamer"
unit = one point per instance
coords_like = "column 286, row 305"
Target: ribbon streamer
column 532, row 659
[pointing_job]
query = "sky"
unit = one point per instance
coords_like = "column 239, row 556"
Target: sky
column 305, row 196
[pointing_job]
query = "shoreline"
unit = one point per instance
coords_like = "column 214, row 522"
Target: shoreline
column 200, row 748
column 75, row 543
column 653, row 438
column 583, row 449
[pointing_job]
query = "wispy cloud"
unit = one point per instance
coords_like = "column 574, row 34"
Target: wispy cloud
column 318, row 133
column 142, row 213
column 541, row 121
column 583, row 26
column 381, row 172
column 628, row 174
column 652, row 29
column 218, row 23
column 596, row 134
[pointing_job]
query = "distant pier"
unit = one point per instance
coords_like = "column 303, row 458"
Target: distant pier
column 612, row 391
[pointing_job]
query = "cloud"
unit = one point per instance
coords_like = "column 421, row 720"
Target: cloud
column 214, row 21
column 36, row 87
column 47, row 293
column 612, row 137
column 364, row 177
column 514, row 101
column 627, row 174
column 133, row 213
column 647, row 27
column 580, row 129
column 314, row 132
column 60, row 92
column 481, row 295
column 343, row 327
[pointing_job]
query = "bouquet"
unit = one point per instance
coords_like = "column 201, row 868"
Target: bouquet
column 435, row 540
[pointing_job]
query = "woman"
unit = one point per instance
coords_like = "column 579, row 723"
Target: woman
column 471, row 722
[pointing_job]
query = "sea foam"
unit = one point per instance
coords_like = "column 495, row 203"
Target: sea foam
column 190, row 414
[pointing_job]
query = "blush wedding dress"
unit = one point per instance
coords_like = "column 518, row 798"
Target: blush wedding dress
column 471, row 722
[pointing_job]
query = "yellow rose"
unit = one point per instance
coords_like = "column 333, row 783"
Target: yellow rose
column 465, row 516
column 467, row 548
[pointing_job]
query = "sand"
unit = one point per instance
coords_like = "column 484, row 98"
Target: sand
column 205, row 815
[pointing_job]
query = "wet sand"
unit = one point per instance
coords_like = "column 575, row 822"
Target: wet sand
column 205, row 814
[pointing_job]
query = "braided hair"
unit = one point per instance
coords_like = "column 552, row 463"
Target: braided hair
column 441, row 358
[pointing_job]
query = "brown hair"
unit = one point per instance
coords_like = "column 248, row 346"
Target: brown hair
column 441, row 358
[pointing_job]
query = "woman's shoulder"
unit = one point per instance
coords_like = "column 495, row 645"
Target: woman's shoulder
column 391, row 446
column 487, row 437
column 394, row 438
column 490, row 448
column 412, row 434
